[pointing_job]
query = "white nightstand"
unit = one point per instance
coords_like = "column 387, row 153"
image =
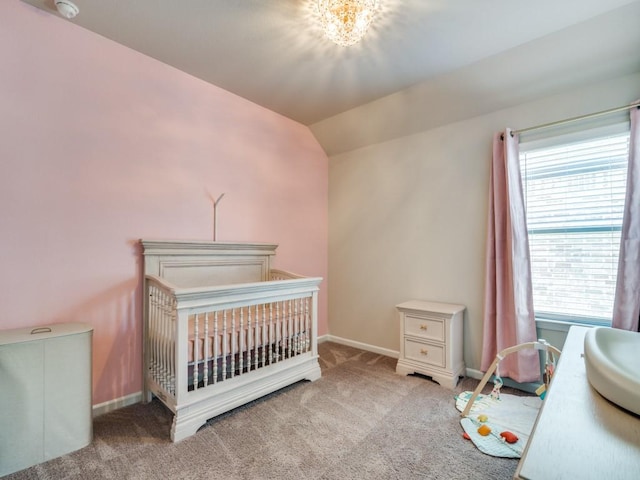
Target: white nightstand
column 431, row 341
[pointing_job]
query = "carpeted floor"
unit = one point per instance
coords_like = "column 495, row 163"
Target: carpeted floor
column 359, row 421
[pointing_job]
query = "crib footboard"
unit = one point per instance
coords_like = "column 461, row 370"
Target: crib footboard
column 208, row 350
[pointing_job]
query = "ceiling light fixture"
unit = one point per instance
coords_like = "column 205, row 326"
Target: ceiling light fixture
column 66, row 8
column 346, row 21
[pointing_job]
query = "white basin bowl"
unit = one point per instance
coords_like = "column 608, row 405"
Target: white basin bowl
column 612, row 361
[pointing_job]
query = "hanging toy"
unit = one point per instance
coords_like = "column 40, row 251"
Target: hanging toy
column 549, row 369
column 497, row 385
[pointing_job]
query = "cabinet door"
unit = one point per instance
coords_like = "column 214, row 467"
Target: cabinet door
column 67, row 409
column 21, row 414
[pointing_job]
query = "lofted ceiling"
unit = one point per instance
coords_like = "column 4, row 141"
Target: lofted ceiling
column 273, row 52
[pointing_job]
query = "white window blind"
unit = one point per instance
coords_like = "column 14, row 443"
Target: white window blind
column 574, row 199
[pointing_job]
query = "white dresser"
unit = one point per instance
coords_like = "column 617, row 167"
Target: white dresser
column 578, row 433
column 45, row 393
column 431, row 341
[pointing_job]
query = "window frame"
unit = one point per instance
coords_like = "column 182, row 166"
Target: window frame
column 564, row 136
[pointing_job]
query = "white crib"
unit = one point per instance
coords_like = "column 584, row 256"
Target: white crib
column 221, row 328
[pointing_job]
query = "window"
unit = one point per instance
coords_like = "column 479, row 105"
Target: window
column 574, row 198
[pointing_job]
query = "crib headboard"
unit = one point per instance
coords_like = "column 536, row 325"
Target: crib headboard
column 199, row 263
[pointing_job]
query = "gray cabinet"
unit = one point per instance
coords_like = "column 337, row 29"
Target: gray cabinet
column 45, row 393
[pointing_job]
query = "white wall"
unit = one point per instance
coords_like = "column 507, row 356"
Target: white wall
column 407, row 217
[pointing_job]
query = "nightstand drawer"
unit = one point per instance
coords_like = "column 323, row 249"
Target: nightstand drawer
column 428, row 328
column 424, row 353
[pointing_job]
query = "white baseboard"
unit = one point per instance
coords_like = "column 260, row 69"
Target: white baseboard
column 473, row 373
column 115, row 404
column 360, row 345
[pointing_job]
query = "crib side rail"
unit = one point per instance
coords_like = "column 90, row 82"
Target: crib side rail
column 227, row 296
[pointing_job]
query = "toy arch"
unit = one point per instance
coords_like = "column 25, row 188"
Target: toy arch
column 539, row 345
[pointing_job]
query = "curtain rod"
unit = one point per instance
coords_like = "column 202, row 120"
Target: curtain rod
column 574, row 119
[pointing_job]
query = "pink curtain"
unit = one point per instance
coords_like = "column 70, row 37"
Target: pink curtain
column 508, row 309
column 626, row 307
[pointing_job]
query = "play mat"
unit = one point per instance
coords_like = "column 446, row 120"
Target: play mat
column 499, row 424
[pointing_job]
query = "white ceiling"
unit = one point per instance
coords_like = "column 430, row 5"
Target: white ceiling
column 273, row 52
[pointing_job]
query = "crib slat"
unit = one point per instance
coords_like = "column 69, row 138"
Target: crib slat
column 257, row 339
column 241, row 333
column 164, row 342
column 273, row 356
column 205, row 367
column 282, row 333
column 300, row 322
column 160, row 332
column 161, row 344
column 285, row 331
column 172, row 321
column 289, row 329
column 308, row 326
column 264, row 331
column 296, row 327
column 292, row 322
column 151, row 340
column 224, row 344
column 232, row 342
column 169, row 341
column 196, row 353
column 216, row 353
column 249, row 338
column 301, row 326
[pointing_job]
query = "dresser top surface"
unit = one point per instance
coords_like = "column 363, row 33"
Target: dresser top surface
column 578, row 433
column 426, row 306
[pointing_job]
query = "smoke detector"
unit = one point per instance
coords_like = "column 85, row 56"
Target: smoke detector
column 66, row 8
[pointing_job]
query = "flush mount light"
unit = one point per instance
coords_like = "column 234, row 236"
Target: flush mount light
column 346, row 21
column 67, row 8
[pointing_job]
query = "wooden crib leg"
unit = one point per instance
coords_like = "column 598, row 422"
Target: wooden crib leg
column 314, row 373
column 184, row 427
column 146, row 395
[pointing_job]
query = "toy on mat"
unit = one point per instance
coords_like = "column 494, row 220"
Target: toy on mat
column 497, row 385
column 509, row 437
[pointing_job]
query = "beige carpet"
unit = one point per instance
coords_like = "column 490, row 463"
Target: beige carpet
column 359, row 421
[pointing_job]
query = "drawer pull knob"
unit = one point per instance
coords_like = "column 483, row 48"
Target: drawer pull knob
column 423, row 327
column 424, row 351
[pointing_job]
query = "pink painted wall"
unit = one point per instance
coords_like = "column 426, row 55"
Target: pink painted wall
column 102, row 146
